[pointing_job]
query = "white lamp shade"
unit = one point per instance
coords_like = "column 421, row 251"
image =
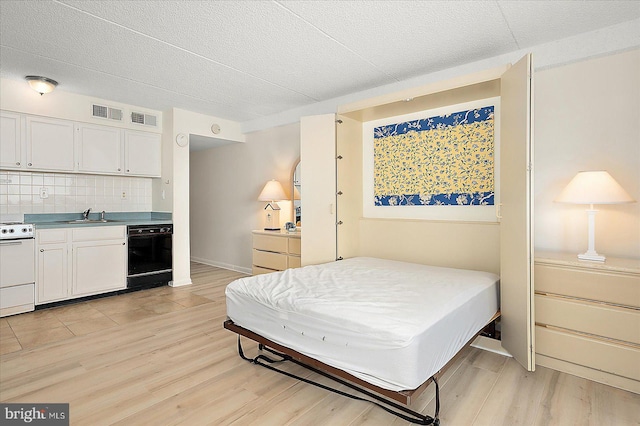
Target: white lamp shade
column 594, row 187
column 272, row 191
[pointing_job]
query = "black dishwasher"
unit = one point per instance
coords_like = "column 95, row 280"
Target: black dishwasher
column 149, row 255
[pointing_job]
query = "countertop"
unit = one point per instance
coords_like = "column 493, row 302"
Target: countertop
column 60, row 220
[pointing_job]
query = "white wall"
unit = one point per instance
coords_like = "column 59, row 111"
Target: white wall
column 587, row 117
column 225, row 183
column 19, row 97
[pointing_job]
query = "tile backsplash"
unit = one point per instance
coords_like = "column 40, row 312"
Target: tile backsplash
column 36, row 192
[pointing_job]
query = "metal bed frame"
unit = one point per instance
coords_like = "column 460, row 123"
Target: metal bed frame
column 394, row 402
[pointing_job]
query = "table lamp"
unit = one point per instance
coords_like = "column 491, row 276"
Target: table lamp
column 271, row 192
column 593, row 187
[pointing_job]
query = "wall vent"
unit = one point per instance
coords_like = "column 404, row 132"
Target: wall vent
column 102, row 111
column 145, row 119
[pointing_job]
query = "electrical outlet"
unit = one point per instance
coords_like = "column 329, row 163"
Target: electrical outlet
column 124, row 195
column 44, row 192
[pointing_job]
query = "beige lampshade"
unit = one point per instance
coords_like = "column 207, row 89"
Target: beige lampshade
column 272, row 191
column 594, row 187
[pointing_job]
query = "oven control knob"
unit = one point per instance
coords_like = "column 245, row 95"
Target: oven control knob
column 24, row 230
column 11, row 231
column 4, row 231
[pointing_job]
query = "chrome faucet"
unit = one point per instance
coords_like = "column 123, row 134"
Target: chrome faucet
column 85, row 214
column 102, row 215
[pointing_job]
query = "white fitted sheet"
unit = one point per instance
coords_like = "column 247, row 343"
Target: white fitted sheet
column 392, row 324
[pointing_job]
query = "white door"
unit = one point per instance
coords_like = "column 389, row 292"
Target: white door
column 99, row 149
column 516, row 196
column 142, row 153
column 50, row 144
column 318, row 172
column 10, row 140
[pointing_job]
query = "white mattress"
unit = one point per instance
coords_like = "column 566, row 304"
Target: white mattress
column 392, row 324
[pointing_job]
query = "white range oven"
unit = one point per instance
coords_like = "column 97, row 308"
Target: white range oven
column 17, row 270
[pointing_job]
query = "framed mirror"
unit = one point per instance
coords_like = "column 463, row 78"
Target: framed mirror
column 296, row 191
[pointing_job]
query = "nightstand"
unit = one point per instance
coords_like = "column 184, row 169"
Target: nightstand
column 275, row 251
column 588, row 318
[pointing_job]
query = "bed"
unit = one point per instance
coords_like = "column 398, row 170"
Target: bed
column 389, row 326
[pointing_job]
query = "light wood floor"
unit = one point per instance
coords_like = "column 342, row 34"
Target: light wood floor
column 161, row 357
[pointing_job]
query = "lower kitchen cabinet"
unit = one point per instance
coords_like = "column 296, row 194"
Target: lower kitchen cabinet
column 76, row 262
column 53, row 273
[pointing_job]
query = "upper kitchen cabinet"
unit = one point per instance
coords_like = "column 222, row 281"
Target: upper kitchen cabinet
column 50, row 144
column 35, row 143
column 10, row 140
column 142, row 153
column 99, row 149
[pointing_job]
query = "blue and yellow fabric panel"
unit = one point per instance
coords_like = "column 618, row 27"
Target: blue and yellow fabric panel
column 440, row 160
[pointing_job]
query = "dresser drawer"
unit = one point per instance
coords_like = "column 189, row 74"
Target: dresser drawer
column 593, row 318
column 294, row 245
column 601, row 355
column 266, row 259
column 257, row 270
column 294, row 261
column 270, row 243
column 619, row 288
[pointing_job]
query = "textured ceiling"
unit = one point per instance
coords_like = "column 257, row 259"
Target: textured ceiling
column 242, row 60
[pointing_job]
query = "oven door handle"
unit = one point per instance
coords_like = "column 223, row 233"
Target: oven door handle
column 10, row 243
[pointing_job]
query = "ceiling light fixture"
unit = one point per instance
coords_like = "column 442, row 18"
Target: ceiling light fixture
column 40, row 84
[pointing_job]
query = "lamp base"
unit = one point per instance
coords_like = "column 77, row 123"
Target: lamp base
column 591, row 256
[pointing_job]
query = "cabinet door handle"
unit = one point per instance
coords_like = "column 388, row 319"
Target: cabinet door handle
column 41, row 250
column 17, row 163
column 29, row 164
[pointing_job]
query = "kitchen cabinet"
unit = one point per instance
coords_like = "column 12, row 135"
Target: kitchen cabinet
column 50, row 144
column 142, row 153
column 11, row 140
column 77, row 262
column 588, row 318
column 99, row 149
column 52, row 265
column 275, row 251
column 35, row 143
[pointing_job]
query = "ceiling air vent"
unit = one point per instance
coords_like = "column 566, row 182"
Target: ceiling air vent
column 145, row 119
column 102, row 111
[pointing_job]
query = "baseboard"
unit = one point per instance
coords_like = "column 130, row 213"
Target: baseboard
column 222, row 265
column 491, row 345
column 180, row 283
